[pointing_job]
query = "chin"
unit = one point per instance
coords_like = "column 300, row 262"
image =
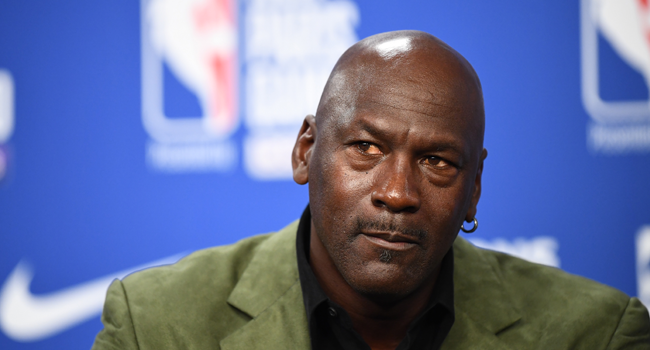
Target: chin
column 382, row 282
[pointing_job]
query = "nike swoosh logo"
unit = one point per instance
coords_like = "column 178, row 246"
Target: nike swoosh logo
column 26, row 317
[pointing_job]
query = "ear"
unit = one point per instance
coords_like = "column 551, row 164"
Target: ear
column 471, row 212
column 302, row 150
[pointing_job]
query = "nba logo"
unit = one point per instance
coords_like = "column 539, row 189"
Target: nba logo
column 619, row 125
column 196, row 42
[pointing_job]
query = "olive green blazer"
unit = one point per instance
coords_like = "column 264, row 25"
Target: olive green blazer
column 248, row 296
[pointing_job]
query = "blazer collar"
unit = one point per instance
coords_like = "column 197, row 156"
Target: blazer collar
column 269, row 292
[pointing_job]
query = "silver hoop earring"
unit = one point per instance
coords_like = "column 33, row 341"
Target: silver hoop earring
column 462, row 227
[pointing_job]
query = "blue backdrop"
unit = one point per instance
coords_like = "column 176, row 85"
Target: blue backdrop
column 132, row 132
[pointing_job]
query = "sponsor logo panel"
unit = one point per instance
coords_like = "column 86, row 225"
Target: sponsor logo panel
column 289, row 48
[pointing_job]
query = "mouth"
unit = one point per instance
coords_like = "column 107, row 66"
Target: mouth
column 390, row 240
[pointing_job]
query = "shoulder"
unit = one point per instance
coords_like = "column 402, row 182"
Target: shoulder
column 530, row 283
column 187, row 302
column 216, row 269
column 553, row 304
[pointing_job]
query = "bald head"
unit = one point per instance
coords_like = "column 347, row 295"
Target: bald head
column 395, row 61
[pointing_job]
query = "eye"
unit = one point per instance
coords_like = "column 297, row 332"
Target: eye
column 368, row 148
column 436, row 162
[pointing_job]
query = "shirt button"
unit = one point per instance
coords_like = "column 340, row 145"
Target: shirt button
column 333, row 312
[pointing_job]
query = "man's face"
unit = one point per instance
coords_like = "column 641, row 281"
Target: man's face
column 393, row 171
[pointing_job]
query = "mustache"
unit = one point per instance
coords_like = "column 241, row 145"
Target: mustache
column 379, row 225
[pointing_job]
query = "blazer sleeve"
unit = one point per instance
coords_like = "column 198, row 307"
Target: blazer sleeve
column 633, row 330
column 118, row 332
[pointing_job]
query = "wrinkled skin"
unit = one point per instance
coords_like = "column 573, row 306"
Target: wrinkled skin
column 393, row 159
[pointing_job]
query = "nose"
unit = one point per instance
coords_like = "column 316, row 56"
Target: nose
column 396, row 187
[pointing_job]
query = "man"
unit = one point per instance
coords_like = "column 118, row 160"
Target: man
column 393, row 158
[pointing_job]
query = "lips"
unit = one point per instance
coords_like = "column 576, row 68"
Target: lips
column 390, row 240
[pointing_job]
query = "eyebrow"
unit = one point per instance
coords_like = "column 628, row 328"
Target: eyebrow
column 375, row 131
column 372, row 129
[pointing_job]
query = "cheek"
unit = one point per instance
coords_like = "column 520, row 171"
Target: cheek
column 443, row 211
column 454, row 196
column 338, row 195
column 338, row 186
column 444, row 204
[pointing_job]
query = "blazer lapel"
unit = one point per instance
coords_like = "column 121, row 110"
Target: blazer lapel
column 482, row 303
column 282, row 326
column 269, row 291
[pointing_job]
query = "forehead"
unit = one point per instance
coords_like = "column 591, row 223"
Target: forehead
column 403, row 95
column 411, row 91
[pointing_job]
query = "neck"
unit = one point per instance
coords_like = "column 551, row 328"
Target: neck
column 381, row 322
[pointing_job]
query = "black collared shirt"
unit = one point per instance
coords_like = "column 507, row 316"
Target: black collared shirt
column 330, row 326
